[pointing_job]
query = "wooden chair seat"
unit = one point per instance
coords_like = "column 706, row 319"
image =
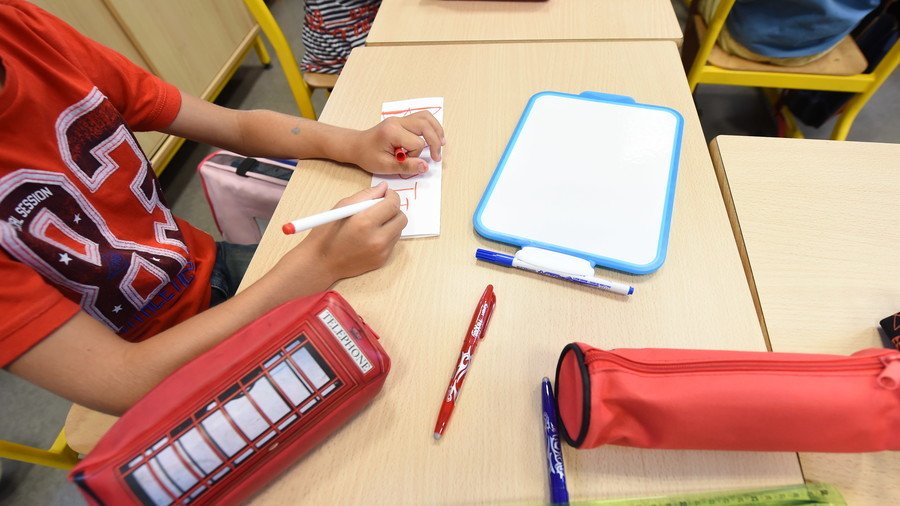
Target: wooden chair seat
column 326, row 81
column 844, row 60
column 84, row 428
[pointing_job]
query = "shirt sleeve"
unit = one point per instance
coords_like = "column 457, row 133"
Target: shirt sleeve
column 144, row 100
column 32, row 309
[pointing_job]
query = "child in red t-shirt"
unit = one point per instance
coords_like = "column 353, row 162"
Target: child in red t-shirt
column 88, row 247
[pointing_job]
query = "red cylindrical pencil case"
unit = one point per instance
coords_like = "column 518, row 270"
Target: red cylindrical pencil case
column 226, row 423
column 729, row 400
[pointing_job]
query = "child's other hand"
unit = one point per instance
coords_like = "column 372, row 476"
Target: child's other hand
column 362, row 242
column 375, row 152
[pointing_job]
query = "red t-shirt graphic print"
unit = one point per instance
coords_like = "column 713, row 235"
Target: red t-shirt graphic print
column 58, row 232
column 81, row 211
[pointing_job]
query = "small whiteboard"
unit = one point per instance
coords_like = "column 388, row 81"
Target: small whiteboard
column 590, row 175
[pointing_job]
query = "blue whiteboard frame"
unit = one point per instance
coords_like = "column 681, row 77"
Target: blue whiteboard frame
column 595, row 260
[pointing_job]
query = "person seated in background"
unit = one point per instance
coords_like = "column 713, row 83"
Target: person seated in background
column 786, row 32
column 331, row 29
column 105, row 292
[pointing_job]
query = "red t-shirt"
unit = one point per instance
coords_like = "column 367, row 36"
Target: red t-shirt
column 83, row 223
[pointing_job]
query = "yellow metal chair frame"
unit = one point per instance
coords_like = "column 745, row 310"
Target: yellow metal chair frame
column 59, row 455
column 300, row 88
column 863, row 85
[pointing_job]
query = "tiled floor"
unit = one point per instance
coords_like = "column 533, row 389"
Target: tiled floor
column 32, row 416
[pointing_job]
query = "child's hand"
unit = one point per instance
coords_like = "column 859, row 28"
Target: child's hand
column 362, row 242
column 375, row 151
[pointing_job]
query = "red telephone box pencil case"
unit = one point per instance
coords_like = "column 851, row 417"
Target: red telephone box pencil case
column 228, row 422
column 729, row 400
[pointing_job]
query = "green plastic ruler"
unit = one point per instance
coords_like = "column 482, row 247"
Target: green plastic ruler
column 810, row 493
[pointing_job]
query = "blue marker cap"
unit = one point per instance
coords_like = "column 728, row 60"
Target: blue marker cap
column 494, row 257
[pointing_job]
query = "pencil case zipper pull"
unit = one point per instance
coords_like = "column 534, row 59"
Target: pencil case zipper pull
column 890, row 376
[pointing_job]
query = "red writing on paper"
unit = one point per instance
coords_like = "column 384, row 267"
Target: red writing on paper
column 407, row 195
column 410, row 110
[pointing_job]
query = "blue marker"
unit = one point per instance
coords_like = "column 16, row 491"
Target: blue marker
column 555, row 467
column 554, row 265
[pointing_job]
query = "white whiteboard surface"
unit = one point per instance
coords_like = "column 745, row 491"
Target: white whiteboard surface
column 587, row 177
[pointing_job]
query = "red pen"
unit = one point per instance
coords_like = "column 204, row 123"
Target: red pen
column 400, row 154
column 477, row 331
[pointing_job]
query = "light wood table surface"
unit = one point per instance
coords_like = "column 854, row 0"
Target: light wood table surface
column 465, row 21
column 817, row 222
column 420, row 303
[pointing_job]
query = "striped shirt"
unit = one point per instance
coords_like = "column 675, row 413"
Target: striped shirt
column 331, row 29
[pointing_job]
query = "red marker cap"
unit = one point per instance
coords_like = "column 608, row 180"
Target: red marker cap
column 400, row 154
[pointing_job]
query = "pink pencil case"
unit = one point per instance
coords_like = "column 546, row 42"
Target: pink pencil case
column 729, row 400
column 243, row 192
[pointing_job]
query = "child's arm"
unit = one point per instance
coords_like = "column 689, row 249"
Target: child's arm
column 85, row 362
column 272, row 134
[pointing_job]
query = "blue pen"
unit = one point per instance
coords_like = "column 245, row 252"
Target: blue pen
column 554, row 265
column 555, row 467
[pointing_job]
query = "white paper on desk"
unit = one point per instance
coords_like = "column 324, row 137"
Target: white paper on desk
column 420, row 196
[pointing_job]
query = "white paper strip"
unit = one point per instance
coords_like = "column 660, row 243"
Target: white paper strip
column 420, row 196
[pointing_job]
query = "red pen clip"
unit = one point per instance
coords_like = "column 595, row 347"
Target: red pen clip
column 477, row 331
column 478, row 325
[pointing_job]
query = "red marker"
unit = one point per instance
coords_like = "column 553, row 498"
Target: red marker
column 400, row 154
column 477, row 331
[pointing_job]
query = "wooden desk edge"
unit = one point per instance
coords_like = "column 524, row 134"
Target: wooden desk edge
column 453, row 42
column 722, row 177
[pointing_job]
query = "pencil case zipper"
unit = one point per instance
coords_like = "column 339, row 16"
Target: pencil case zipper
column 888, row 364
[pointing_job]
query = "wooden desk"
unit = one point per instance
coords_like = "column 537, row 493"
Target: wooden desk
column 453, row 21
column 817, row 225
column 420, row 303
